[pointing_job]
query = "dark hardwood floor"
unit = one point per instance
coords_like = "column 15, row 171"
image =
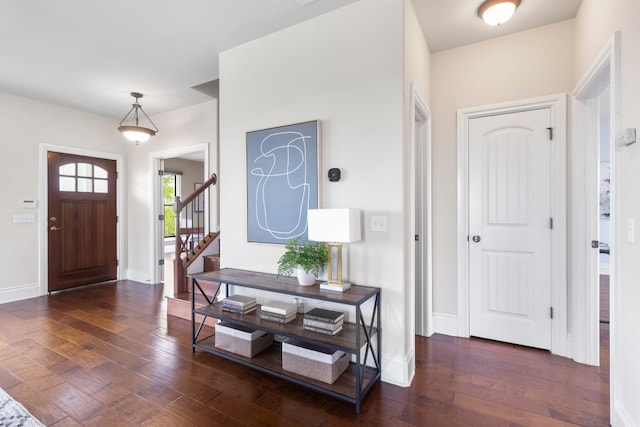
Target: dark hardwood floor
column 107, row 355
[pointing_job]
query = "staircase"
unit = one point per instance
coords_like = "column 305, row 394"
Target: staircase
column 196, row 249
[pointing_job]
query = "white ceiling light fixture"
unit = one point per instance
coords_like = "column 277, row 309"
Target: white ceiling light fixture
column 134, row 132
column 496, row 12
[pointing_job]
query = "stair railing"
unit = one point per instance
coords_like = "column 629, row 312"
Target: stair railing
column 193, row 230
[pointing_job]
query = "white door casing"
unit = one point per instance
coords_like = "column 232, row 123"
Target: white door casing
column 558, row 249
column 509, row 225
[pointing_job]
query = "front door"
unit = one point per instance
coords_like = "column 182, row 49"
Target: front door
column 81, row 220
column 510, row 227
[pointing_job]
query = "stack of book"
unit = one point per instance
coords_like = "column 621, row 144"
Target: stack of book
column 324, row 321
column 239, row 304
column 327, row 286
column 278, row 311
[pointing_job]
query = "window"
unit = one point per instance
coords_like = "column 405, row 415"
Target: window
column 171, row 185
column 83, row 178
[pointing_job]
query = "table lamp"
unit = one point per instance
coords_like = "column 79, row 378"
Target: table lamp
column 334, row 227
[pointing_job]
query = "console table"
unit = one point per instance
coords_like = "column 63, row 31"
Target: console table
column 360, row 339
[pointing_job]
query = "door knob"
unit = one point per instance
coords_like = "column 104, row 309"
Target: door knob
column 476, row 238
column 54, row 228
column 53, row 218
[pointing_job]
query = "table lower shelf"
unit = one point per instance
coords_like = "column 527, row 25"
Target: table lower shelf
column 270, row 361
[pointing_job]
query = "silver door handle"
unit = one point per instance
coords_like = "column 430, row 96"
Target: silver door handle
column 476, row 238
column 54, row 228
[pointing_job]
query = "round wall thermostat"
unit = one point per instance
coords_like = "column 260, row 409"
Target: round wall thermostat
column 334, row 174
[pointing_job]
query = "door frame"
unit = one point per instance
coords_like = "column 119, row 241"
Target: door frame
column 604, row 71
column 421, row 145
column 155, row 159
column 44, row 205
column 558, row 106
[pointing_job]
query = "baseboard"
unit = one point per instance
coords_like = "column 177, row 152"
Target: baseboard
column 17, row 293
column 446, row 324
column 142, row 276
column 621, row 417
column 399, row 371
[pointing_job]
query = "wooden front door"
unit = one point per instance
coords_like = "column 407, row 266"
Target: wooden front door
column 81, row 220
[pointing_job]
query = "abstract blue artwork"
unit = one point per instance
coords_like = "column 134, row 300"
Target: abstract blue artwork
column 282, row 181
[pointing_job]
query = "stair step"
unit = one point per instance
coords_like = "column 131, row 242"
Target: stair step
column 180, row 306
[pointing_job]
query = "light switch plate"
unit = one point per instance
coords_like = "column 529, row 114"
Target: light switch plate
column 24, row 218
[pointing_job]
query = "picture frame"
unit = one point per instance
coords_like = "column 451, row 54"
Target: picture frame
column 283, row 181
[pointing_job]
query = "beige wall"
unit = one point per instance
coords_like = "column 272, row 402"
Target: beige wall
column 352, row 80
column 524, row 65
column 595, row 24
column 25, row 125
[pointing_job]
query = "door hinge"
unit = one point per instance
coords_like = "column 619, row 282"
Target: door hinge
column 551, row 223
column 550, row 133
column 117, row 263
column 160, row 217
column 160, row 172
column 117, row 219
column 551, row 312
column 160, row 262
column 416, row 237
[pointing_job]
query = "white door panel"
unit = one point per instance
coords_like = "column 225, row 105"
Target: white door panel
column 509, row 216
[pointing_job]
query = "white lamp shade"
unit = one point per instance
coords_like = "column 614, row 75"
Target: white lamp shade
column 334, row 225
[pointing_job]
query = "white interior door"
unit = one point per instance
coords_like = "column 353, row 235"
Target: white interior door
column 510, row 227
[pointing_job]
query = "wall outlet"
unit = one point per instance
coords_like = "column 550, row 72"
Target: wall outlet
column 379, row 223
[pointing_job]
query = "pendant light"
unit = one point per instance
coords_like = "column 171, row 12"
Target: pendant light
column 496, row 12
column 134, row 132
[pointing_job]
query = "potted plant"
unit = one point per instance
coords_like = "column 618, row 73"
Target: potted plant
column 307, row 259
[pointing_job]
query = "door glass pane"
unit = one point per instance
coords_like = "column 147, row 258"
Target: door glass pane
column 85, row 185
column 68, row 169
column 98, row 172
column 67, row 183
column 100, row 186
column 85, row 169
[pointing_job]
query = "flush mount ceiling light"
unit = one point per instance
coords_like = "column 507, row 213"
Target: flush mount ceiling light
column 496, row 12
column 133, row 131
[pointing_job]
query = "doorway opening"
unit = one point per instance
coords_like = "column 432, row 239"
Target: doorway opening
column 557, row 249
column 423, row 286
column 175, row 173
column 596, row 106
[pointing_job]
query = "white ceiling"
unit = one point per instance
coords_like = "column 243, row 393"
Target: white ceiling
column 90, row 54
column 452, row 23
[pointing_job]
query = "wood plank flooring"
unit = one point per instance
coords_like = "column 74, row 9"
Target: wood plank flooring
column 107, row 355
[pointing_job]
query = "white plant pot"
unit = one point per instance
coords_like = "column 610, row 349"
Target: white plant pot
column 304, row 278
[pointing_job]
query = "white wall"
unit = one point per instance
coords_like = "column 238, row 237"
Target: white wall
column 179, row 129
column 26, row 124
column 595, row 24
column 344, row 68
column 524, row 65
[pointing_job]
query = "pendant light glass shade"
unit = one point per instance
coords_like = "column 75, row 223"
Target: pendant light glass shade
column 132, row 129
column 496, row 12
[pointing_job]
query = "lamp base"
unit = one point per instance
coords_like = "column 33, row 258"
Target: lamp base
column 327, row 286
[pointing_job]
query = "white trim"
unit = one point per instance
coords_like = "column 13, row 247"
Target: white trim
column 605, row 70
column 44, row 205
column 419, row 109
column 446, row 324
column 157, row 248
column 621, row 417
column 558, row 106
column 397, row 370
column 17, row 293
